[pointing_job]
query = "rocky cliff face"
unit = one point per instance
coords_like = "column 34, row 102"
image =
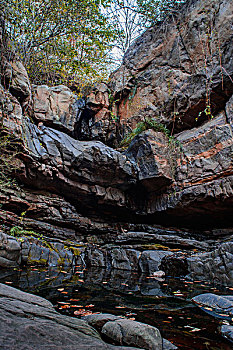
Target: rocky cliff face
column 74, row 184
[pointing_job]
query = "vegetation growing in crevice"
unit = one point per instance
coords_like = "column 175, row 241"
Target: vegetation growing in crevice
column 148, row 123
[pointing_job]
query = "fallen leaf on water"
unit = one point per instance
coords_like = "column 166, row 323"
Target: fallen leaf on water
column 76, row 306
column 79, row 306
column 83, row 313
column 195, row 330
column 63, row 302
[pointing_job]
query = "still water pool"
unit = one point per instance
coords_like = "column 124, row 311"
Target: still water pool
column 163, row 303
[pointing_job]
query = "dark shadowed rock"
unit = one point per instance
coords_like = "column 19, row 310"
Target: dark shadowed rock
column 215, row 266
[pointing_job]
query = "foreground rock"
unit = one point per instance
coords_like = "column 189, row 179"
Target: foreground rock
column 131, row 333
column 126, row 332
column 30, row 322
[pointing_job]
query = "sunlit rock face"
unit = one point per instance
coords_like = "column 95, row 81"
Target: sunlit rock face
column 178, row 67
column 56, row 107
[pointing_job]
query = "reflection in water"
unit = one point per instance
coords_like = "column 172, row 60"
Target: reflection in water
column 163, row 303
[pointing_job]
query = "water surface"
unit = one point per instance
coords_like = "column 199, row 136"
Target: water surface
column 165, row 304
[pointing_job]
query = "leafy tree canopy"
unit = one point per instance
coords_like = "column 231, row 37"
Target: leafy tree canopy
column 60, row 40
column 70, row 41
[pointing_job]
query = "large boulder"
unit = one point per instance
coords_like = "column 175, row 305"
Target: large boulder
column 57, row 107
column 151, row 152
column 131, row 333
column 15, row 78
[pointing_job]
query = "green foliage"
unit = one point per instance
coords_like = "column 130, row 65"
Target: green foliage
column 149, row 123
column 18, row 231
column 8, row 160
column 207, row 112
column 60, row 41
column 153, row 11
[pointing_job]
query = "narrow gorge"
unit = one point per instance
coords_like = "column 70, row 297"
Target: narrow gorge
column 117, row 206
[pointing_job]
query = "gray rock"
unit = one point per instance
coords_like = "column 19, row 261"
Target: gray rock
column 9, row 251
column 133, row 256
column 217, row 303
column 95, row 257
column 53, row 258
column 167, row 345
column 151, row 152
column 227, row 332
column 98, row 320
column 133, row 333
column 30, row 322
column 150, row 260
column 119, row 259
column 216, row 266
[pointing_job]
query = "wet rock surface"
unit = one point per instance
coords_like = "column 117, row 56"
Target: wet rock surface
column 30, row 322
column 222, row 305
column 227, row 332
